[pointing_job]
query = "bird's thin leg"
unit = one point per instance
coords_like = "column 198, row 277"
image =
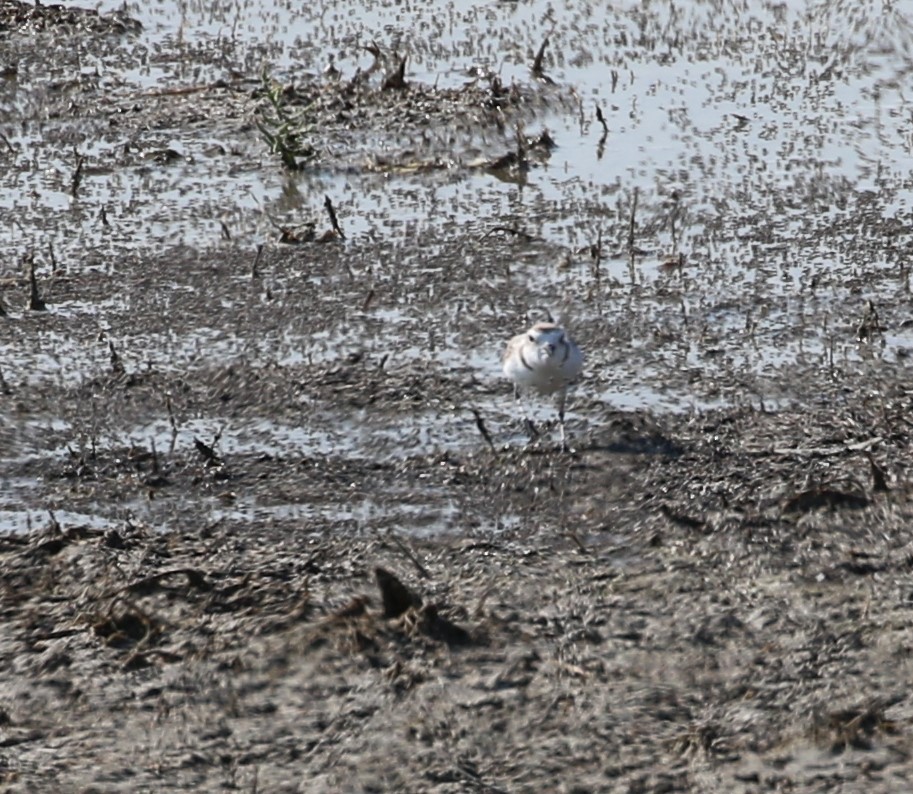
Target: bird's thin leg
column 530, row 427
column 562, row 399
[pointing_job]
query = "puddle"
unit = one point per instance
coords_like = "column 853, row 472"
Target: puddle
column 357, row 435
column 24, row 521
column 430, row 512
column 435, row 517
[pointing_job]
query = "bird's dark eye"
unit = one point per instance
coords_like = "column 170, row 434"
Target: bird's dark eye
column 531, row 337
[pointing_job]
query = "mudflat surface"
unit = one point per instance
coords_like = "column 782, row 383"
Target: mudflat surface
column 272, row 521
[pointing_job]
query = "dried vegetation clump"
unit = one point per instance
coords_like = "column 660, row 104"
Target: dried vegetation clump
column 323, row 115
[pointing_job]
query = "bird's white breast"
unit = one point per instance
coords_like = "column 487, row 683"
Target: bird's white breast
column 530, row 366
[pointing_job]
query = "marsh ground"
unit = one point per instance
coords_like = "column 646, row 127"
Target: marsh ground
column 255, row 538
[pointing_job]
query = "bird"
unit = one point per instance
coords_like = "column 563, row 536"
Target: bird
column 544, row 360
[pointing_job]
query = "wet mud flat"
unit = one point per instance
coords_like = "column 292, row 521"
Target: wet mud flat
column 708, row 600
column 285, row 531
column 715, row 603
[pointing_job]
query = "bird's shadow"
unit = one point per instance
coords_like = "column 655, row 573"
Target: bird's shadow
column 631, row 433
column 622, row 433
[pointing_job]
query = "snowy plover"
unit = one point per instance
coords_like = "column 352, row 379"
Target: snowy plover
column 544, row 360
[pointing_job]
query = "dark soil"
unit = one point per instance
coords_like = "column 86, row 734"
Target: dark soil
column 324, row 557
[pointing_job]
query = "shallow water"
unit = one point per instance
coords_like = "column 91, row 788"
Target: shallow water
column 722, row 102
column 731, row 120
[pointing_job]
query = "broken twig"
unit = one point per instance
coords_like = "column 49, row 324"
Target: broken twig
column 334, row 222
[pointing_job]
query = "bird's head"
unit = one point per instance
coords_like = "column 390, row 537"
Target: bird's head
column 547, row 337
